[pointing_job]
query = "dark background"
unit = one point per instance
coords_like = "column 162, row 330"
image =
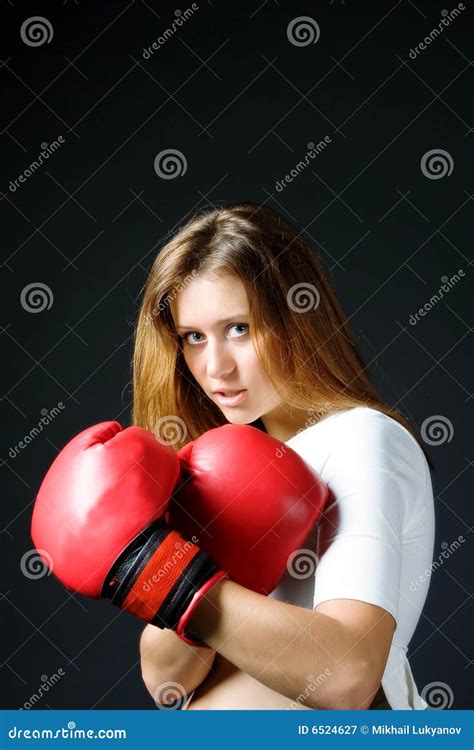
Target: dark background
column 241, row 103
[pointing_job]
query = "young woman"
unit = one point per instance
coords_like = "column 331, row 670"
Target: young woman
column 239, row 323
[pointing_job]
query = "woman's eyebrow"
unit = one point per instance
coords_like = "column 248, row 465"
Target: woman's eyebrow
column 218, row 322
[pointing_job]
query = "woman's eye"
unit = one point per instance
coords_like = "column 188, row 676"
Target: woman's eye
column 188, row 338
column 240, row 325
column 191, row 333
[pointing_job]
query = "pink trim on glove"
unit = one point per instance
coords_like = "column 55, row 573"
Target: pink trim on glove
column 185, row 617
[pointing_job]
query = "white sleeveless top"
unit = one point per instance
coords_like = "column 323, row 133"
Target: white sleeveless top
column 374, row 541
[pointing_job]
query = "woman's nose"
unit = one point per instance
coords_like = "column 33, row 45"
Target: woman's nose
column 220, row 362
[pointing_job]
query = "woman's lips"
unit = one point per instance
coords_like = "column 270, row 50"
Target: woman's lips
column 235, row 400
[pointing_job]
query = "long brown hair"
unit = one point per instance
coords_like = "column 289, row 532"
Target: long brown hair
column 300, row 332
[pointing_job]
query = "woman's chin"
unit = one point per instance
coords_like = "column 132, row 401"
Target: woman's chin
column 235, row 418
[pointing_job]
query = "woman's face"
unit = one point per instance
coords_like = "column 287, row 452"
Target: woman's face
column 211, row 318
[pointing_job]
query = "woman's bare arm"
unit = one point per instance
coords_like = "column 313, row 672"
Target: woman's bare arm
column 165, row 659
column 342, row 645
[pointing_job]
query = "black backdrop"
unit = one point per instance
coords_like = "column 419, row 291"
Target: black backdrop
column 237, row 93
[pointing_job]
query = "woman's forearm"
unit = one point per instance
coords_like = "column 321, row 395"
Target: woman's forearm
column 294, row 651
column 165, row 658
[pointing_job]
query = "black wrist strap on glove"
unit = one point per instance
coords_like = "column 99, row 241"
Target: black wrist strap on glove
column 157, row 576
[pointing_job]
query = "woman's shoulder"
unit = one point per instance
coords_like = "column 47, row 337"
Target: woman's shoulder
column 337, row 421
column 374, row 424
column 359, row 429
column 351, row 446
column 365, row 413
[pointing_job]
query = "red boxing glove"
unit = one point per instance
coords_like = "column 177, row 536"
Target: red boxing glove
column 249, row 499
column 99, row 517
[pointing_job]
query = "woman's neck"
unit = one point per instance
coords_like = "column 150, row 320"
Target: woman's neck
column 284, row 422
